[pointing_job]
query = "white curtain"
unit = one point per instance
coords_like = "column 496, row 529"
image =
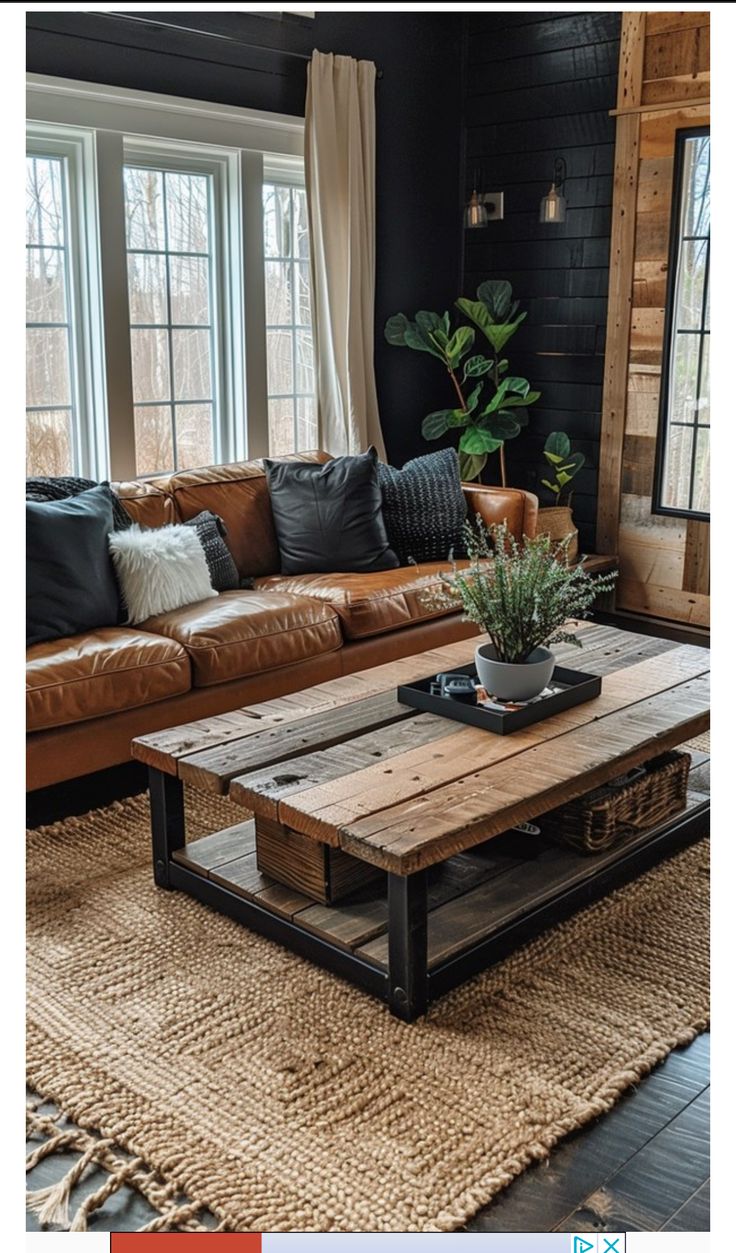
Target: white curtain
column 340, row 160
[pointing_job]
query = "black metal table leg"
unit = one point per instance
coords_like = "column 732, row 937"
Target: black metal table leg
column 167, row 821
column 407, row 945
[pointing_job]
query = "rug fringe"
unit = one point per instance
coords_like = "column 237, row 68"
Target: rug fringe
column 52, row 1204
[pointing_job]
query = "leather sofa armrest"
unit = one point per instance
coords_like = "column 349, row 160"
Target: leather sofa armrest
column 518, row 507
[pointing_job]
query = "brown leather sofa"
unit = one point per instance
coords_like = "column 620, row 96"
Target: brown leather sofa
column 90, row 694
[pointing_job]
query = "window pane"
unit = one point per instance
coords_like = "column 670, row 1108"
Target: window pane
column 194, row 436
column 684, row 378
column 304, row 363
column 301, row 227
column 691, row 284
column 304, row 306
column 45, row 201
column 280, row 362
column 704, row 398
column 306, row 423
column 677, row 470
column 154, row 441
column 192, row 377
column 277, row 220
column 49, row 442
column 701, row 485
column 147, row 287
column 187, row 212
column 696, row 179
column 278, row 292
column 190, row 283
column 144, row 208
column 45, row 290
column 47, row 367
column 281, row 427
column 150, row 353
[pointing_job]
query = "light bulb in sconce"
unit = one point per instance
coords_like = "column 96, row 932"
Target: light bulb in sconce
column 553, row 206
column 476, row 213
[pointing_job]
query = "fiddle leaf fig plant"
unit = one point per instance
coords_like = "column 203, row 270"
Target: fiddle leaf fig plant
column 492, row 405
column 564, row 463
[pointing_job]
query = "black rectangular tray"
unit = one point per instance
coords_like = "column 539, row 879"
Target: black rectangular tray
column 579, row 687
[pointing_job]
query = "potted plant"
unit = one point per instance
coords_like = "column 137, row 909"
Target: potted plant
column 562, row 465
column 524, row 597
column 491, row 404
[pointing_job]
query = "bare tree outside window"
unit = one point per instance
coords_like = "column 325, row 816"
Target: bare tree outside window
column 50, row 401
column 170, row 289
column 683, row 464
column 292, row 417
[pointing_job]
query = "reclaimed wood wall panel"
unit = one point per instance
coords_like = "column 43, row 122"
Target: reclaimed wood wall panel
column 665, row 564
column 538, row 86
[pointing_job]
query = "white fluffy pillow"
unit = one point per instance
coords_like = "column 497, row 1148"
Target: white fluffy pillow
column 159, row 568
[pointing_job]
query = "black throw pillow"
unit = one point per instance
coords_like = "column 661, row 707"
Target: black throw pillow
column 424, row 507
column 328, row 518
column 212, row 531
column 70, row 582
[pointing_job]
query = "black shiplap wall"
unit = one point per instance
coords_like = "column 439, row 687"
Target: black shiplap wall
column 538, row 86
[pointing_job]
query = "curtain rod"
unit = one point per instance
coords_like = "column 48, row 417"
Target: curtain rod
column 209, row 34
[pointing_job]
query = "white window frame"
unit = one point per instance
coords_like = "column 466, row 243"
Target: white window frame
column 237, row 146
column 86, row 349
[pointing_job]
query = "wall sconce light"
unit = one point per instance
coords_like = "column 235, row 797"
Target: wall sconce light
column 553, row 206
column 483, row 207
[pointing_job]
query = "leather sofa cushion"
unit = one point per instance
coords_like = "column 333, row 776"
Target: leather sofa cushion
column 498, row 504
column 146, row 504
column 101, row 672
column 243, row 633
column 239, row 495
column 369, row 604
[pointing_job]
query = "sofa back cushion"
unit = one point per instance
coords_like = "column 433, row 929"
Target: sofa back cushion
column 237, row 493
column 147, row 505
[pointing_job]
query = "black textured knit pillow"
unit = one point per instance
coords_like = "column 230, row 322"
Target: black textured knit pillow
column 424, row 507
column 63, row 487
column 211, row 531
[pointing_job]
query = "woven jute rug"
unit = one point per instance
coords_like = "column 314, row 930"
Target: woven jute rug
column 283, row 1099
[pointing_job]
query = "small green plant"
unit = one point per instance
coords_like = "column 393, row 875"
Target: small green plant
column 565, row 465
column 491, row 404
column 522, row 595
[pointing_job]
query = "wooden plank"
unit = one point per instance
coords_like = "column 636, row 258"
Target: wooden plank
column 243, row 877
column 660, row 23
column 669, row 54
column 163, row 749
column 655, row 185
column 694, row 1215
column 638, row 465
column 663, row 602
column 213, row 769
column 492, row 905
column 265, row 791
column 650, row 283
column 424, row 830
column 656, row 1181
column 541, row 1198
column 677, row 90
column 214, row 850
column 615, row 382
column 631, row 60
column 320, row 810
column 659, row 123
column 696, row 572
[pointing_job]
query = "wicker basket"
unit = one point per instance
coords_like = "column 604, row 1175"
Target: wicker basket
column 556, row 521
column 643, row 798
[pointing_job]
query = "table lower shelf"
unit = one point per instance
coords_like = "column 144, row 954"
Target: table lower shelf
column 472, row 897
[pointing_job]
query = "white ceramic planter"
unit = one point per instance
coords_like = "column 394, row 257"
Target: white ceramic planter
column 514, row 682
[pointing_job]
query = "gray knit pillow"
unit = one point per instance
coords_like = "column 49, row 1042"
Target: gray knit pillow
column 211, row 531
column 424, row 507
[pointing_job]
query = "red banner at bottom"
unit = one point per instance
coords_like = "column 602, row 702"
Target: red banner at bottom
column 184, row 1242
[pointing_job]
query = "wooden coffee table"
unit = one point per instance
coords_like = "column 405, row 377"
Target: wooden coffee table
column 382, row 846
